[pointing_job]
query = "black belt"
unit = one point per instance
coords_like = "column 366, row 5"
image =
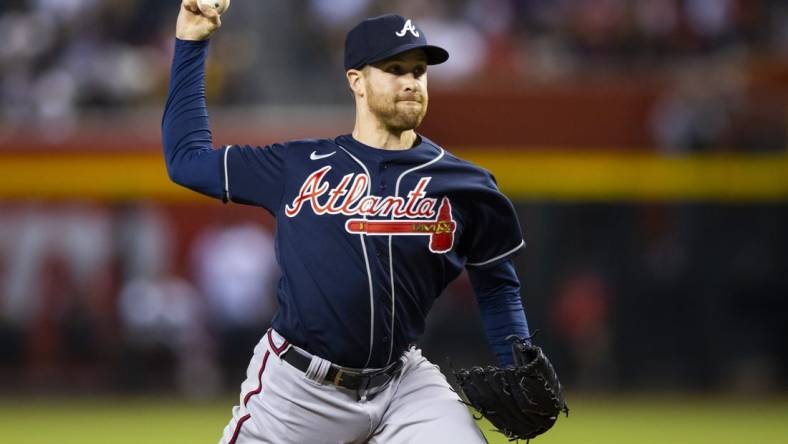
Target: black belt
column 343, row 377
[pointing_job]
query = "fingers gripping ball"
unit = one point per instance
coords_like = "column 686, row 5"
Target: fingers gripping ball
column 220, row 6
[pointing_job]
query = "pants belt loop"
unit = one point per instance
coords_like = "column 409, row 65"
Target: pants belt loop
column 318, row 368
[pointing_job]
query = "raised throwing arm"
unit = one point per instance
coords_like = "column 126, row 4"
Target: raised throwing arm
column 186, row 135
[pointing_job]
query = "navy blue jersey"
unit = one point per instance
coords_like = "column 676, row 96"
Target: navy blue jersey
column 366, row 238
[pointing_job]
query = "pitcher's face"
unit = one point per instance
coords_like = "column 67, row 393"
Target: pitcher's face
column 396, row 90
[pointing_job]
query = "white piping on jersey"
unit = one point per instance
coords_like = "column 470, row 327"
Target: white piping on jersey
column 476, row 264
column 391, row 259
column 226, row 175
column 366, row 262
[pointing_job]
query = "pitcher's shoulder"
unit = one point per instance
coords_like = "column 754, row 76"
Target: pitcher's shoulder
column 456, row 162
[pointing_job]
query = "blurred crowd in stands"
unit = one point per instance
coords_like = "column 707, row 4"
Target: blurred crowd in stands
column 144, row 297
column 109, row 297
column 64, row 59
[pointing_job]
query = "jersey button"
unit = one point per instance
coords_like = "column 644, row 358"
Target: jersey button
column 385, row 339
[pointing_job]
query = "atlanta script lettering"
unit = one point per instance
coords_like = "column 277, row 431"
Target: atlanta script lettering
column 350, row 197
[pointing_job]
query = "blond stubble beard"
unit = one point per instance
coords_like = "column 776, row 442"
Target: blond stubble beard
column 396, row 120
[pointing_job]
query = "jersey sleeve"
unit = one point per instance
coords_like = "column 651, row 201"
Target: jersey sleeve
column 241, row 174
column 497, row 291
column 255, row 175
column 186, row 134
column 493, row 232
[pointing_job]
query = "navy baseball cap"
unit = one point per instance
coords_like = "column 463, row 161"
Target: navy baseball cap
column 379, row 38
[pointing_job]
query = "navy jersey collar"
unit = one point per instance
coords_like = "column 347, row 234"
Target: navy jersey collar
column 359, row 148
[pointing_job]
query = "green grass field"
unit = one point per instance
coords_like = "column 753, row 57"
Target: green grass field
column 603, row 420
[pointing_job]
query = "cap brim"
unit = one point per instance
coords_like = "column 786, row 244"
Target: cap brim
column 435, row 54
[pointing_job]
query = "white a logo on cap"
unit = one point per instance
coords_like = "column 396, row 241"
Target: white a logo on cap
column 408, row 28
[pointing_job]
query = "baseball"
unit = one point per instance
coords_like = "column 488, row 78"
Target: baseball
column 219, row 5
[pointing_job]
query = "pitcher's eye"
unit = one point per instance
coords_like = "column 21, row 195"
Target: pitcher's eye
column 394, row 69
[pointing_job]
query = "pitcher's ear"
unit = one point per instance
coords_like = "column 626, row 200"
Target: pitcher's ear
column 355, row 80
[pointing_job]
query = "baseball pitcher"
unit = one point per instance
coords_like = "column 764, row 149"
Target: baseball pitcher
column 371, row 226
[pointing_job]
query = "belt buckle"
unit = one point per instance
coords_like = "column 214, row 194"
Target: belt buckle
column 338, row 377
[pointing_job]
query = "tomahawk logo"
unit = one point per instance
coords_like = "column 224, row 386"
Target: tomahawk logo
column 408, row 28
column 440, row 230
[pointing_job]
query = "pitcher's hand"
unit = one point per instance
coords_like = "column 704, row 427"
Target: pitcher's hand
column 195, row 23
